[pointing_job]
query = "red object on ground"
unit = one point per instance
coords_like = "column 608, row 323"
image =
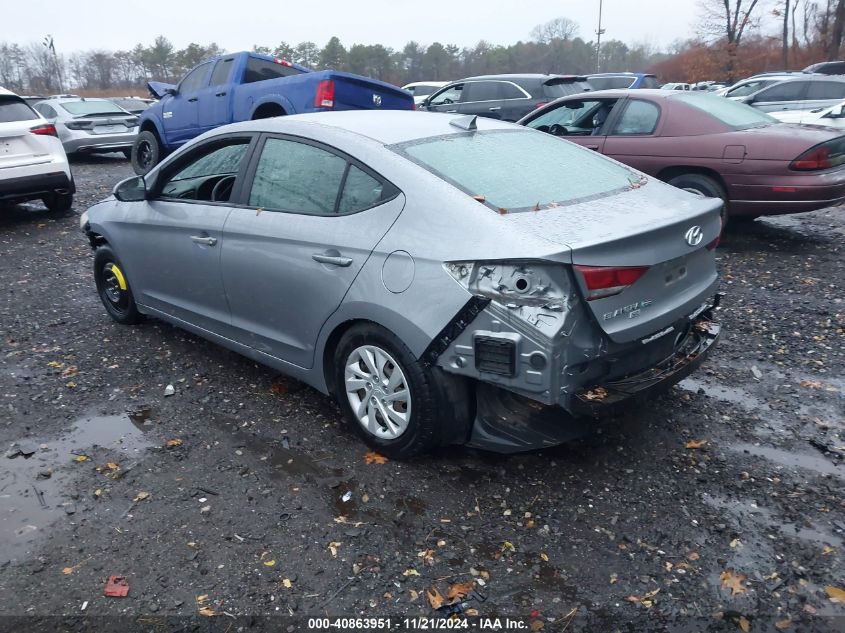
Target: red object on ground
column 117, row 587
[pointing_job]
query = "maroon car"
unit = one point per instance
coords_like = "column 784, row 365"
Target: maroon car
column 708, row 145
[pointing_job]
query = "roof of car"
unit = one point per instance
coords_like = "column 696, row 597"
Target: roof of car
column 622, row 74
column 383, row 126
column 7, row 93
column 517, row 76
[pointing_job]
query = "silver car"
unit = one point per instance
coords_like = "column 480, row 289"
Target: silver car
column 448, row 279
column 88, row 126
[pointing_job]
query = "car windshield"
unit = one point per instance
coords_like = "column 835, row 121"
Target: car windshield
column 732, row 113
column 81, row 108
column 513, row 170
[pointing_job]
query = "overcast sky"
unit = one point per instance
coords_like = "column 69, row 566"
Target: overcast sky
column 237, row 25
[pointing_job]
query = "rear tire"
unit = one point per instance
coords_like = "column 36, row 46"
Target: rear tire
column 60, row 203
column 399, row 406
column 113, row 287
column 146, row 152
column 704, row 186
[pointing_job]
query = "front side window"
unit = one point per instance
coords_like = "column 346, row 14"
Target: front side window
column 222, row 72
column 519, row 170
column 639, row 117
column 195, row 79
column 748, row 88
column 570, row 114
column 208, row 176
column 826, row 90
column 450, row 95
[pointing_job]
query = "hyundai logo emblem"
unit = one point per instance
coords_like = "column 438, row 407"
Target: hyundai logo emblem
column 694, row 236
column 377, row 100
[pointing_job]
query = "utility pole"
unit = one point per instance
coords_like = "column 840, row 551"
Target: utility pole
column 599, row 33
column 50, row 46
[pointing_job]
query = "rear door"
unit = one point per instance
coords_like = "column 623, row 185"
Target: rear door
column 824, row 94
column 180, row 114
column 482, row 98
column 312, row 216
column 18, row 145
column 786, row 95
column 214, row 100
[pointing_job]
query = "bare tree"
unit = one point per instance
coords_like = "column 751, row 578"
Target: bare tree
column 729, row 18
column 557, row 29
column 837, row 31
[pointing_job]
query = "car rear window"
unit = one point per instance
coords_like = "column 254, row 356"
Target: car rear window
column 81, row 108
column 515, row 170
column 611, row 83
column 732, row 113
column 258, row 69
column 555, row 89
column 15, row 109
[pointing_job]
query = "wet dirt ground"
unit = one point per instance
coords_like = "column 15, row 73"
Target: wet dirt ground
column 717, row 506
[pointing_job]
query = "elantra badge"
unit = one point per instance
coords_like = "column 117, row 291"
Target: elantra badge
column 377, row 100
column 694, row 236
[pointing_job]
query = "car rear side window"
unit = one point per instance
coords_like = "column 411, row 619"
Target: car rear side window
column 222, row 72
column 296, row 177
column 732, row 113
column 639, row 117
column 46, row 111
column 258, row 69
column 518, row 170
column 786, row 91
column 482, row 91
column 360, row 191
column 15, row 109
column 650, row 82
column 826, row 90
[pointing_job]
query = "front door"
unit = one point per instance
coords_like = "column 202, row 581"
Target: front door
column 215, row 99
column 180, row 113
column 446, row 100
column 177, row 234
column 312, row 219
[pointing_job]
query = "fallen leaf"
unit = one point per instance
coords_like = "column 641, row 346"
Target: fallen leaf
column 782, row 625
column 836, row 594
column 278, row 388
column 69, row 371
column 693, row 556
column 71, row 385
column 413, row 595
column 333, row 548
column 827, row 550
column 173, row 443
column 427, row 556
column 459, row 591
column 435, row 598
column 410, row 572
column 287, row 583
column 811, row 384
column 694, row 444
column 141, row 496
column 55, row 364
column 613, row 579
column 744, row 624
column 544, row 556
column 269, row 563
column 374, row 458
column 599, row 393
column 67, row 571
column 81, row 458
column 733, row 581
column 508, row 546
column 208, row 612
column 537, row 625
column 735, row 543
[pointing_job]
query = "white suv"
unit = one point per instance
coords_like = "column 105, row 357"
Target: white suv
column 33, row 164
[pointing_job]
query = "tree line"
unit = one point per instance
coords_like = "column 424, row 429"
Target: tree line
column 553, row 47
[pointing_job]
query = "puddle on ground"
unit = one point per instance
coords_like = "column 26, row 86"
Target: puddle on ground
column 35, row 491
column 724, row 393
column 792, row 459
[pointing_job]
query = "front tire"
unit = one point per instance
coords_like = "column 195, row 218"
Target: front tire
column 399, row 406
column 146, row 152
column 704, row 186
column 113, row 287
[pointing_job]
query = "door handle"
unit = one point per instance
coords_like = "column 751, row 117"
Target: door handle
column 495, row 109
column 220, row 94
column 332, row 260
column 450, row 111
column 208, row 241
column 595, row 148
column 192, row 99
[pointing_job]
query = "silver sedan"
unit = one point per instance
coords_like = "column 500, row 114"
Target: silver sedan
column 448, row 279
column 88, row 126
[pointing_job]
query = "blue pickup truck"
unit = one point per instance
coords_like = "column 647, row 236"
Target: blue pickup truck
column 245, row 86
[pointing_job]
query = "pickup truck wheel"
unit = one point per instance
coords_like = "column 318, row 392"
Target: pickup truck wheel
column 146, row 152
column 704, row 186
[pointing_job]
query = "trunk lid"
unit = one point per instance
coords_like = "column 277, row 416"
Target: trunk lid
column 354, row 92
column 642, row 228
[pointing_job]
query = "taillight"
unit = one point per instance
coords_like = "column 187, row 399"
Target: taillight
column 824, row 156
column 325, row 94
column 605, row 281
column 47, row 129
column 283, row 62
column 711, row 246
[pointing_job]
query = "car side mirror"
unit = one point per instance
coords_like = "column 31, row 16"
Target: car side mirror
column 171, row 91
column 424, row 103
column 131, row 190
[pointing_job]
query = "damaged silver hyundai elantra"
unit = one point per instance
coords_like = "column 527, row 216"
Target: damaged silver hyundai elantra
column 450, row 280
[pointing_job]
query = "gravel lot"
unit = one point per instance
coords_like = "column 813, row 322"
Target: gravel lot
column 719, row 505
